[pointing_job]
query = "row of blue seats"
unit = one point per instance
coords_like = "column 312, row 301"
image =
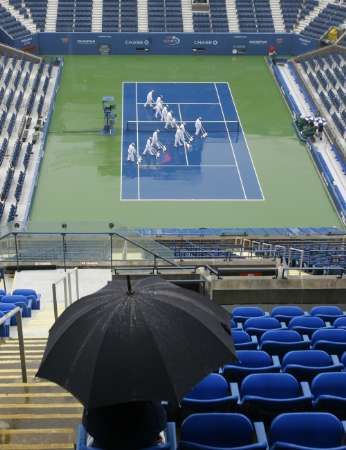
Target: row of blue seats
column 234, row 431
column 331, row 15
column 262, row 396
column 26, row 299
column 281, row 341
column 7, row 184
column 286, row 313
column 304, row 365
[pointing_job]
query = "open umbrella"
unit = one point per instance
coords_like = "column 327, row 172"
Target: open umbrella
column 152, row 341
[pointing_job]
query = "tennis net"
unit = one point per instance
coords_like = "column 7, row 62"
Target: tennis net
column 210, row 126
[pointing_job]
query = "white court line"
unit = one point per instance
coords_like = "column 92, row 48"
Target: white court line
column 190, row 165
column 244, row 135
column 138, row 186
column 188, row 121
column 182, row 103
column 122, row 141
column 192, row 200
column 230, row 140
column 181, row 119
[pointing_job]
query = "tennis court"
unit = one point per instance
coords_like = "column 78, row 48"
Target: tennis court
column 217, row 167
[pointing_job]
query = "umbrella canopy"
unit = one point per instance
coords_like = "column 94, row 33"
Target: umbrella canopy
column 150, row 341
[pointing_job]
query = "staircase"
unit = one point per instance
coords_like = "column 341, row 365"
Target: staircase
column 278, row 19
column 310, row 17
column 232, row 16
column 142, row 13
column 37, row 415
column 96, row 23
column 26, row 21
column 52, row 13
column 186, row 10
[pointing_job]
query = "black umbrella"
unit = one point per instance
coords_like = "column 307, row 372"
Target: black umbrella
column 152, row 341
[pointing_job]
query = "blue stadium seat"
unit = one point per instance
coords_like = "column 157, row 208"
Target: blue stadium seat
column 306, row 431
column 343, row 359
column 258, row 325
column 170, row 436
column 279, row 342
column 21, row 301
column 4, row 328
column 306, row 364
column 340, row 322
column 250, row 361
column 327, row 313
column 243, row 341
column 285, row 313
column 30, row 294
column 306, row 324
column 221, row 431
column 6, row 307
column 263, row 396
column 329, row 392
column 332, row 340
column 233, row 324
column 242, row 313
column 209, row 395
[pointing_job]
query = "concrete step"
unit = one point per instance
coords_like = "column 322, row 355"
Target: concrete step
column 37, row 436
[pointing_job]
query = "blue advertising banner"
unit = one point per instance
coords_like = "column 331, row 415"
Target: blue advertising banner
column 172, row 43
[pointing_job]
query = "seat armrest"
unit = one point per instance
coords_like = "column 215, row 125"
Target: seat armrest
column 335, row 359
column 276, row 361
column 306, row 389
column 261, row 432
column 306, row 338
column 235, row 390
column 171, row 435
column 254, row 339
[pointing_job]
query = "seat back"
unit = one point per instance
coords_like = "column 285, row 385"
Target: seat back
column 270, row 385
column 329, row 384
column 289, row 311
column 306, row 321
column 14, row 299
column 253, row 358
column 281, row 336
column 326, row 310
column 309, row 358
column 340, row 322
column 329, row 334
column 314, row 430
column 211, row 387
column 247, row 311
column 223, row 430
column 240, row 336
column 25, row 292
column 263, row 323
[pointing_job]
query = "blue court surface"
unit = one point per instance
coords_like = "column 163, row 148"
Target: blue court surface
column 217, row 167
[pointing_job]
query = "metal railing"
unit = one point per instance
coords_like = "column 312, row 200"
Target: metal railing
column 66, row 281
column 17, row 313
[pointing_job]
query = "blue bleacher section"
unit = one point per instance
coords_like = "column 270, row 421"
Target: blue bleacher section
column 75, row 15
column 331, row 15
column 164, row 15
column 255, row 16
column 119, row 15
column 290, row 10
column 327, row 77
column 27, row 300
column 11, row 25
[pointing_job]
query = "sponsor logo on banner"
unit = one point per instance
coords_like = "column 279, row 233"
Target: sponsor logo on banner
column 172, row 41
column 104, row 36
column 304, row 41
column 86, row 41
column 206, row 42
column 240, row 36
column 135, row 42
column 258, row 42
column 279, row 40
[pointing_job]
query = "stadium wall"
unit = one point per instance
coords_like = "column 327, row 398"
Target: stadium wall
column 165, row 43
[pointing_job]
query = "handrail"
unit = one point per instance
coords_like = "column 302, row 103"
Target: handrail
column 17, row 313
column 67, row 283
